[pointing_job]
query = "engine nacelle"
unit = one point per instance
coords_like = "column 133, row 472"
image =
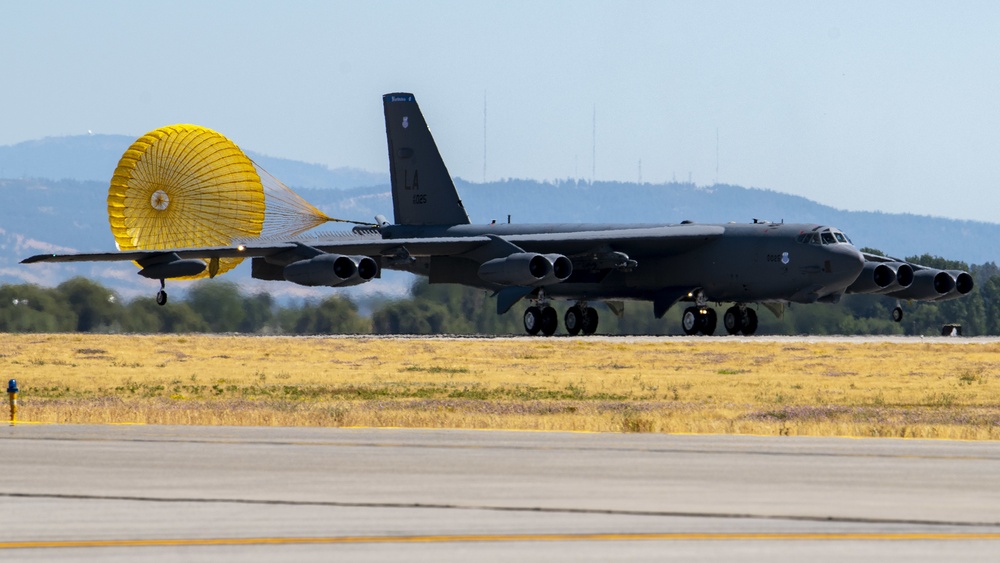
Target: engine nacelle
column 875, row 274
column 331, row 270
column 963, row 285
column 874, row 277
column 928, row 284
column 904, row 276
column 527, row 268
column 173, row 269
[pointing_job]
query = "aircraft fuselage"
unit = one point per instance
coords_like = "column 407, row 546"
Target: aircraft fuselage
column 743, row 263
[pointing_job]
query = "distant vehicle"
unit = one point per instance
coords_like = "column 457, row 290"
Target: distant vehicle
column 757, row 263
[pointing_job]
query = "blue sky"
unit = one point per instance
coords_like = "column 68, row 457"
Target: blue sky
column 888, row 106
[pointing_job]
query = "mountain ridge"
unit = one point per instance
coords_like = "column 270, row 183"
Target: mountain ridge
column 59, row 215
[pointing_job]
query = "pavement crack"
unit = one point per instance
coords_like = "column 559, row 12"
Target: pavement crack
column 501, row 508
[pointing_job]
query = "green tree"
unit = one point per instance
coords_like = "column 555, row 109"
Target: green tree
column 334, row 315
column 143, row 316
column 469, row 310
column 219, row 303
column 30, row 308
column 258, row 313
column 97, row 308
column 411, row 317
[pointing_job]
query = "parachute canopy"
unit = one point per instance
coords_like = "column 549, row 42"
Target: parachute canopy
column 185, row 186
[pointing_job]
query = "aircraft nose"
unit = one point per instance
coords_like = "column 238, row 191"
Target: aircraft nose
column 846, row 262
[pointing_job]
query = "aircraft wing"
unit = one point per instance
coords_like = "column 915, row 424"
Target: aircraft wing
column 350, row 245
column 645, row 241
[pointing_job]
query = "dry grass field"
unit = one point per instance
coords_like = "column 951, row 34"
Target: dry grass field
column 904, row 388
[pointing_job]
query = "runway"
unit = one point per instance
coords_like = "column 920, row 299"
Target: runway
column 148, row 493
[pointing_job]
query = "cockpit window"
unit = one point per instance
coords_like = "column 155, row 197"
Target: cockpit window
column 824, row 236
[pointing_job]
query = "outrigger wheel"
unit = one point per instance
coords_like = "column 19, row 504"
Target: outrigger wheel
column 161, row 296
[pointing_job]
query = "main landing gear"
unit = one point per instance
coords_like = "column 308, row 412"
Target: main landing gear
column 542, row 318
column 702, row 319
column 699, row 320
column 740, row 320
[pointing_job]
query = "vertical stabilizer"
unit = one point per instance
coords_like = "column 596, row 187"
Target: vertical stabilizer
column 422, row 190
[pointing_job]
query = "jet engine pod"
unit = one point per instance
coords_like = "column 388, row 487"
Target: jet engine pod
column 527, row 268
column 904, row 275
column 874, row 277
column 928, row 284
column 882, row 278
column 174, row 269
column 332, row 270
column 963, row 285
column 562, row 267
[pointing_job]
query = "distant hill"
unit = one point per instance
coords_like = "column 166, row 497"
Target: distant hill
column 58, row 215
column 94, row 157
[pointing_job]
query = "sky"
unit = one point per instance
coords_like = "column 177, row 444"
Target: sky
column 878, row 106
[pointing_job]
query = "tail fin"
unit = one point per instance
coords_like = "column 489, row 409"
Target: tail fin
column 422, row 190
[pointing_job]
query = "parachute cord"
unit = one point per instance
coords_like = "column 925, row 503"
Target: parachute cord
column 362, row 223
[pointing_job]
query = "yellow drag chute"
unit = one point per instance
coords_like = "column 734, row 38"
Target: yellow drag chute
column 185, row 186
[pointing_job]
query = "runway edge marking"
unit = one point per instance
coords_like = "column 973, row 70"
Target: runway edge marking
column 194, row 542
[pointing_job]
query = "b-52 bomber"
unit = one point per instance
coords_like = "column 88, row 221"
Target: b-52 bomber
column 759, row 263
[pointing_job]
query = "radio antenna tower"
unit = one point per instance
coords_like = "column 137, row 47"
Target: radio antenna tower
column 484, row 136
column 716, row 155
column 593, row 151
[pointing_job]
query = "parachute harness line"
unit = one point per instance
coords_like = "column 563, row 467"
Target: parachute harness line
column 287, row 213
column 185, row 186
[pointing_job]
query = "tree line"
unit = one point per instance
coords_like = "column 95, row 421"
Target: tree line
column 82, row 305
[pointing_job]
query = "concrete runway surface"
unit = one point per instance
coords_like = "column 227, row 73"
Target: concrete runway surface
column 157, row 493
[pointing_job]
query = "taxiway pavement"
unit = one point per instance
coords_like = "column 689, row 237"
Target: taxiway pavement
column 156, row 493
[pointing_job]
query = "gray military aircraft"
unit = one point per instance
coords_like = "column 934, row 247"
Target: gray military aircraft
column 758, row 263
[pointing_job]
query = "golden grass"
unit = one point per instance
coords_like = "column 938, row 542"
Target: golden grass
column 900, row 388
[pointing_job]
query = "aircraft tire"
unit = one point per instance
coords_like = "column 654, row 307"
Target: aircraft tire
column 549, row 321
column 707, row 321
column 575, row 321
column 733, row 320
column 161, row 298
column 590, row 319
column 749, row 323
column 533, row 320
column 689, row 321
column 897, row 314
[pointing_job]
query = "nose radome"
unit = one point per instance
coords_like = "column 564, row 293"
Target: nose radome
column 847, row 262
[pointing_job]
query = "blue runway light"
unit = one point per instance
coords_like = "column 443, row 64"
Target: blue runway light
column 12, row 386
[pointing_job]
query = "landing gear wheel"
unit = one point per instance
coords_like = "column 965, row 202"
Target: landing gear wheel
column 749, row 322
column 549, row 321
column 707, row 321
column 689, row 321
column 574, row 321
column 897, row 314
column 161, row 298
column 532, row 320
column 589, row 321
column 733, row 320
